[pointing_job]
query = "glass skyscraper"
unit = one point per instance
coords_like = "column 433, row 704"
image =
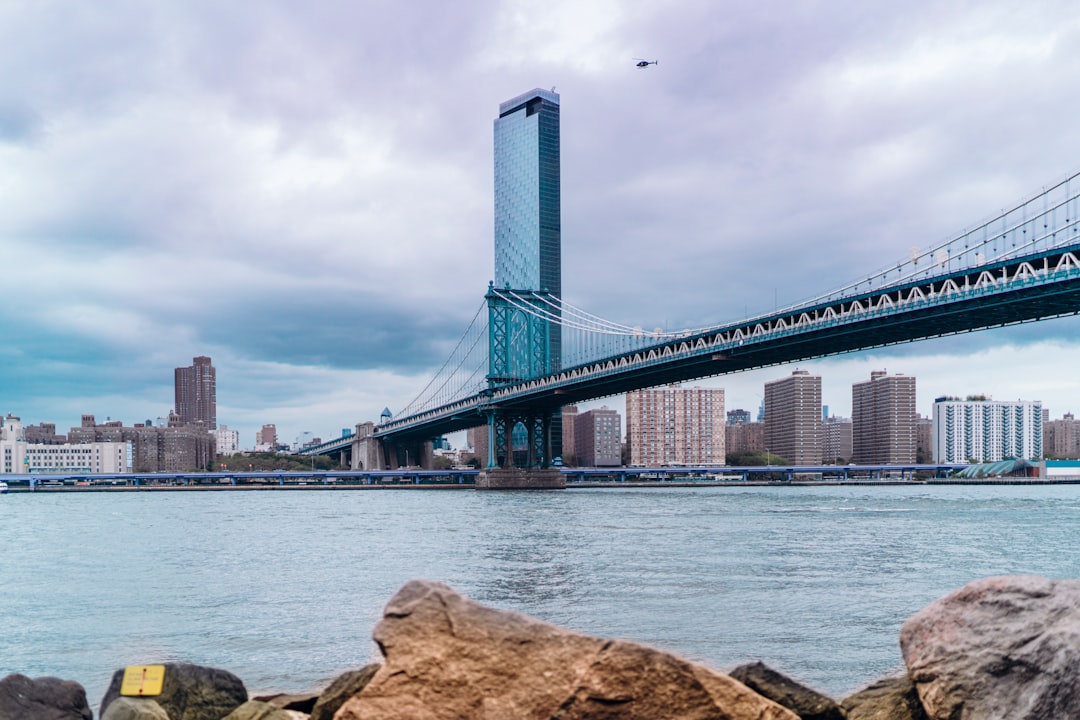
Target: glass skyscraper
column 528, row 228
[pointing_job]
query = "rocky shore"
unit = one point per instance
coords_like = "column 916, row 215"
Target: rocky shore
column 1002, row 648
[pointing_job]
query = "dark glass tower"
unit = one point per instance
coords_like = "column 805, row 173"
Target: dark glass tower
column 528, row 226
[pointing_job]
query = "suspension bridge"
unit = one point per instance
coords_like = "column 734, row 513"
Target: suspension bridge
column 527, row 352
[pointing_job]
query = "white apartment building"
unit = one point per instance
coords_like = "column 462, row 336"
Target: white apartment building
column 226, row 441
column 984, row 430
column 19, row 457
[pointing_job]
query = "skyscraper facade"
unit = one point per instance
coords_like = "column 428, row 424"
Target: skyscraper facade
column 196, row 393
column 528, row 229
column 793, row 418
column 883, row 420
column 984, row 430
column 676, row 426
column 528, row 225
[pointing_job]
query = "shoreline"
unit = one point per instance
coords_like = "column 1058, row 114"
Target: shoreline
column 570, row 485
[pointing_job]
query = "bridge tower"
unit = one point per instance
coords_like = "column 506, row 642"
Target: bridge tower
column 528, row 273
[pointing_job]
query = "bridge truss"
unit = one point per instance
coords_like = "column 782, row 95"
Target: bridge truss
column 1018, row 266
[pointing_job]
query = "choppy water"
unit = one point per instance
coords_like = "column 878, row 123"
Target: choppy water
column 284, row 588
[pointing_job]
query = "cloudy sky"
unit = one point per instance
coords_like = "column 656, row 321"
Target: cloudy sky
column 303, row 191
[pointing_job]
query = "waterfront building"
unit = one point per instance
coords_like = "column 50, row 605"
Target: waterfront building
column 226, row 441
column 979, row 429
column 745, row 437
column 836, row 440
column 176, row 448
column 18, row 455
column 598, row 438
column 672, row 425
column 196, row 393
column 528, row 215
column 1061, row 438
column 569, row 415
column 883, row 419
column 793, row 418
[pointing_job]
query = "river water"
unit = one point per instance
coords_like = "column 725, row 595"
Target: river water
column 283, row 588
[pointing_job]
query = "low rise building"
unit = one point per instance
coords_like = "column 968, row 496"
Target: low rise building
column 19, row 456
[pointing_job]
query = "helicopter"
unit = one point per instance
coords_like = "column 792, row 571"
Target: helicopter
column 646, row 63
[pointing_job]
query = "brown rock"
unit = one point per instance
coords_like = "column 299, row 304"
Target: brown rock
column 341, row 689
column 448, row 657
column 886, row 699
column 43, row 698
column 1003, row 648
column 191, row 692
column 806, row 703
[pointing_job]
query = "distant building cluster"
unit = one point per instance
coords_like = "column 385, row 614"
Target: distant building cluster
column 673, row 425
column 188, row 439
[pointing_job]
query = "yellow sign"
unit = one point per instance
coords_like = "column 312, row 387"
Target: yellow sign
column 142, row 680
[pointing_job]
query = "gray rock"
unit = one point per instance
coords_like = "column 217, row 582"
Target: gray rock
column 257, row 710
column 289, row 701
column 1002, row 648
column 132, row 708
column 341, row 689
column 806, row 703
column 43, row 698
column 190, row 692
column 886, row 699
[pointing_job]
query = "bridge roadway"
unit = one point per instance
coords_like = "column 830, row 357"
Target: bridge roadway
column 1020, row 289
column 352, row 479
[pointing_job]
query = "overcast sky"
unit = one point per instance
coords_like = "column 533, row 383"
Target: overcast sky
column 303, row 191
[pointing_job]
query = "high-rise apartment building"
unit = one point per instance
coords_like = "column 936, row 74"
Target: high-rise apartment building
column 836, row 440
column 196, row 393
column 883, row 420
column 1061, row 438
column 982, row 430
column 598, row 438
column 676, row 426
column 793, row 418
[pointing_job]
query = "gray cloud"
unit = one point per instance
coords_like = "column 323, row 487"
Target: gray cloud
column 304, row 192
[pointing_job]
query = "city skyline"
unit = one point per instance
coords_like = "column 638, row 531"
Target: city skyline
column 307, row 199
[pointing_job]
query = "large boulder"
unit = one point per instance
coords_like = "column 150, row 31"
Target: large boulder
column 1003, row 648
column 808, row 704
column 43, row 698
column 341, row 689
column 887, row 699
column 190, row 692
column 448, row 657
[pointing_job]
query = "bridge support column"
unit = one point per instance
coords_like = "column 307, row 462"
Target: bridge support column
column 520, row 479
